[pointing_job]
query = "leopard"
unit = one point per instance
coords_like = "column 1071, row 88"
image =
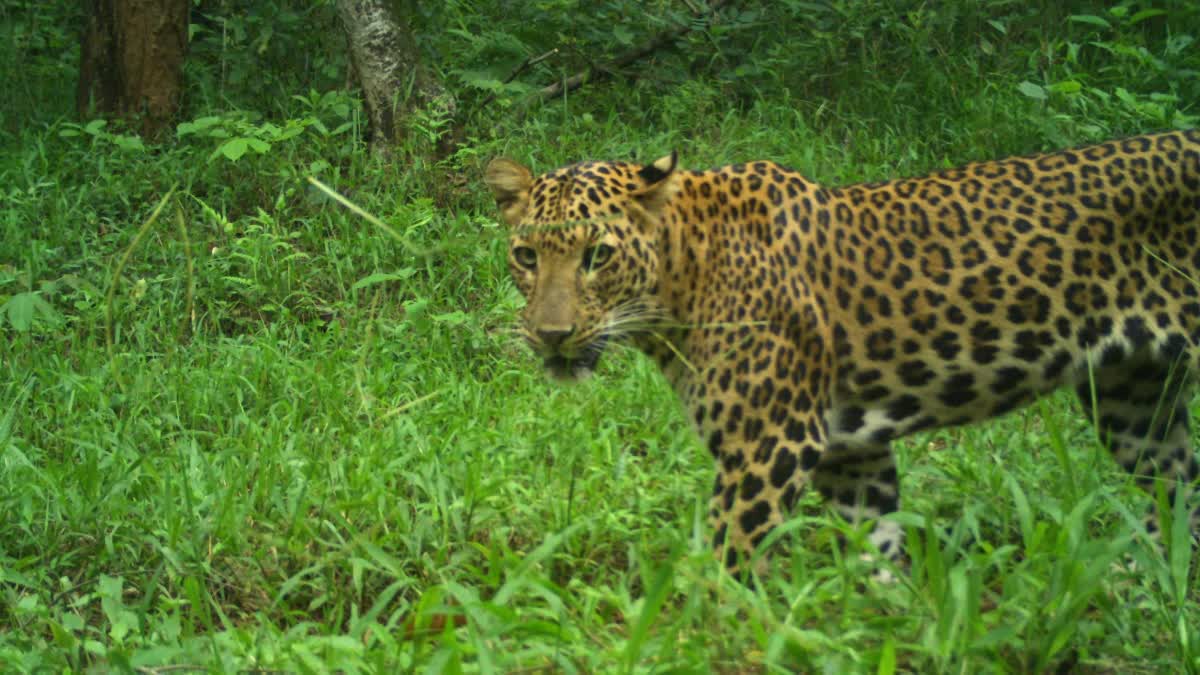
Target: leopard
column 805, row 328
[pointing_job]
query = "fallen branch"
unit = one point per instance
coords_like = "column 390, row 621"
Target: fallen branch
column 530, row 61
column 594, row 72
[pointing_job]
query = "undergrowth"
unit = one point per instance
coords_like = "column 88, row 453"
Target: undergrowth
column 252, row 430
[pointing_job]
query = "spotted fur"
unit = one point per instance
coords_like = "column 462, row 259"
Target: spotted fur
column 806, row 327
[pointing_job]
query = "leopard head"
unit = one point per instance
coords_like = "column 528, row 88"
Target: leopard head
column 584, row 251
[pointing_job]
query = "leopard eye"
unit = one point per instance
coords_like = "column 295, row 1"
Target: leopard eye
column 525, row 257
column 596, row 256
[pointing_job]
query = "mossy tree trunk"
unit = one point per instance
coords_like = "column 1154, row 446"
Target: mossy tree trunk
column 131, row 61
column 386, row 59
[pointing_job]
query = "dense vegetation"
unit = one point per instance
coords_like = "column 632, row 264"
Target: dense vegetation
column 243, row 427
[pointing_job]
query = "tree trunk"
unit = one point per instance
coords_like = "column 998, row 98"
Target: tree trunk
column 384, row 54
column 131, row 60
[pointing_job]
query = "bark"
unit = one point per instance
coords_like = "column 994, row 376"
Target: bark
column 385, row 56
column 131, row 60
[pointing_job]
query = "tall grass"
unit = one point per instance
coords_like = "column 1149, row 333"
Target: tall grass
column 306, row 446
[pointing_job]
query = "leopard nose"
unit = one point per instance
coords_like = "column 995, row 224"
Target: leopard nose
column 554, row 337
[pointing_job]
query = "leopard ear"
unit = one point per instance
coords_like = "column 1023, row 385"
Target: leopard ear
column 661, row 184
column 510, row 184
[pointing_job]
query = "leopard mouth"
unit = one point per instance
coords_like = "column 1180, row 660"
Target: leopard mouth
column 578, row 366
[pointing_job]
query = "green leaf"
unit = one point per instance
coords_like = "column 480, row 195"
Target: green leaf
column 1146, row 14
column 43, row 309
column 416, row 308
column 383, row 277
column 129, row 143
column 657, row 590
column 1023, row 511
column 481, row 80
column 456, row 318
column 259, row 146
column 19, row 309
column 73, row 622
column 1125, row 97
column 11, row 576
column 292, row 130
column 232, row 149
column 202, row 123
column 62, row 637
column 1179, row 545
column 1032, row 91
column 1090, row 19
column 996, row 636
column 1066, row 87
column 887, row 658
column 1177, row 44
column 146, row 659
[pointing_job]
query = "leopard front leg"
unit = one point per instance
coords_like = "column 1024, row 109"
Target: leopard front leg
column 859, row 481
column 760, row 410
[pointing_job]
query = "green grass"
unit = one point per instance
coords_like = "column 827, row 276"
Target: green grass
column 306, row 445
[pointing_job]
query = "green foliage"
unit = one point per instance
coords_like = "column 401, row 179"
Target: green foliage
column 1087, row 70
column 262, row 51
column 97, row 133
column 39, row 50
column 311, row 443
